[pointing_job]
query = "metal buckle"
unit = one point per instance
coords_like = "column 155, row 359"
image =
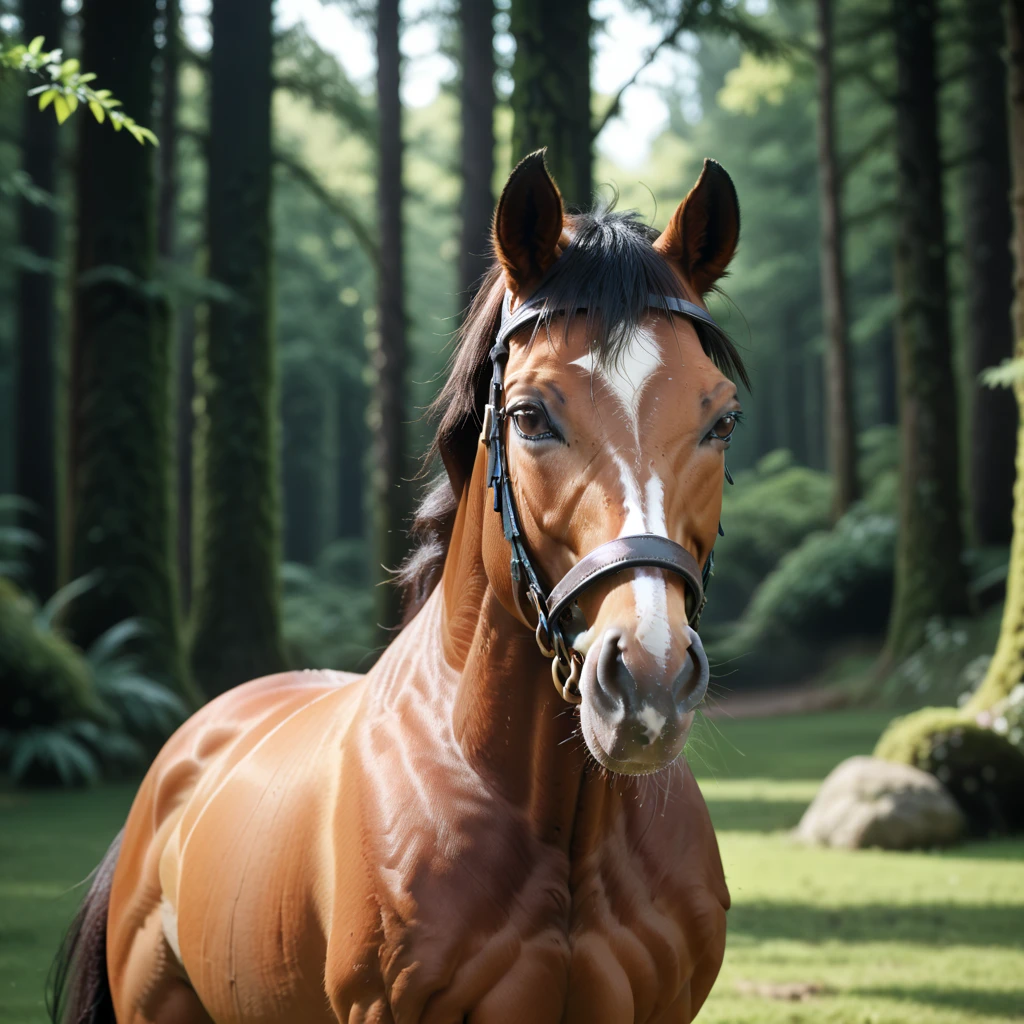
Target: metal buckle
column 485, row 429
column 542, row 634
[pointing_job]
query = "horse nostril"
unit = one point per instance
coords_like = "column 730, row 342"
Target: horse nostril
column 613, row 676
column 691, row 684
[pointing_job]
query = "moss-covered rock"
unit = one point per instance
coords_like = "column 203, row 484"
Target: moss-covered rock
column 982, row 770
column 44, row 679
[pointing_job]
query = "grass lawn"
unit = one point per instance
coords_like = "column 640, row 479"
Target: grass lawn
column 862, row 938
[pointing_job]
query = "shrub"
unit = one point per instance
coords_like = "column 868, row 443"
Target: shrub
column 772, row 508
column 328, row 610
column 68, row 717
column 43, row 678
column 982, row 769
column 836, row 585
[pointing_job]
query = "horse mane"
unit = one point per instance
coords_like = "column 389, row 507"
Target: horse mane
column 608, row 270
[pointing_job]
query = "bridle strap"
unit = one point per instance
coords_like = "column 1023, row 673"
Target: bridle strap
column 643, row 550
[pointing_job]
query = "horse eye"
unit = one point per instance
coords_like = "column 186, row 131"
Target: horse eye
column 723, row 429
column 531, row 422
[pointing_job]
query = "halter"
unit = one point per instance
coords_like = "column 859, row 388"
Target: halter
column 558, row 615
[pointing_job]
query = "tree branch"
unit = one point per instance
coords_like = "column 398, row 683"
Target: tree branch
column 335, row 204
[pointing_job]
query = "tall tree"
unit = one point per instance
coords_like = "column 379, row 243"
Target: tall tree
column 237, row 592
column 183, row 329
column 842, row 431
column 551, row 91
column 476, row 205
column 390, row 462
column 119, row 487
column 1006, row 669
column 988, row 270
column 930, row 574
column 35, row 415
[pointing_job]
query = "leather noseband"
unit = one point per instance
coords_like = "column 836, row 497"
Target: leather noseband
column 559, row 620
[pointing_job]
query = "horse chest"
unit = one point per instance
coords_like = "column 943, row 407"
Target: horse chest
column 513, row 929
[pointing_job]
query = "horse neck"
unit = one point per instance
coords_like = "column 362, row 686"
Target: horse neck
column 506, row 717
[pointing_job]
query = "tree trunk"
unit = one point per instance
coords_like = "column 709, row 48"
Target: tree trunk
column 35, row 393
column 1007, row 667
column 551, row 92
column 237, row 594
column 842, row 430
column 988, row 272
column 181, row 322
column 931, row 581
column 388, row 415
column 477, row 112
column 120, row 448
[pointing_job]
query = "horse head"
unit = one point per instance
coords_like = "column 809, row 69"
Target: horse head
column 605, row 428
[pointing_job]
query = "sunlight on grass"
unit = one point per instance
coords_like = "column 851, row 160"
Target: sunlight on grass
column 815, row 936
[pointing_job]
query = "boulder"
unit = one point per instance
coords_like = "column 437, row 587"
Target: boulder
column 866, row 801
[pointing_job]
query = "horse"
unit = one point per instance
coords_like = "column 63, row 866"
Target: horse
column 448, row 837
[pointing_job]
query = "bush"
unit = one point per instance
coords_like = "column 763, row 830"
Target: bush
column 772, row 508
column 328, row 610
column 836, row 585
column 43, row 678
column 68, row 717
column 982, row 769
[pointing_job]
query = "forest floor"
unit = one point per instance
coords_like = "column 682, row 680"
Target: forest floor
column 818, row 936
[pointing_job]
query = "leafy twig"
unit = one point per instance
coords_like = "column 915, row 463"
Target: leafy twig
column 68, row 88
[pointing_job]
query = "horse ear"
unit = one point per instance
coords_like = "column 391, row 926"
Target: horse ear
column 527, row 224
column 703, row 233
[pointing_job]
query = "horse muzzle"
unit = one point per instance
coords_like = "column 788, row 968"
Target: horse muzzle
column 634, row 721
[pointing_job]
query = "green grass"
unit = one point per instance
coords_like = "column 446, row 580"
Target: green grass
column 881, row 938
column 873, row 938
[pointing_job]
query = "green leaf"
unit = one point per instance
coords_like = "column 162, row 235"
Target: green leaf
column 1005, row 375
column 61, row 109
column 36, row 46
column 97, row 111
column 46, row 98
column 148, row 135
column 70, row 67
column 82, row 79
column 72, row 101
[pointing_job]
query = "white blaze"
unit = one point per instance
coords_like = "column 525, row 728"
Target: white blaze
column 645, row 511
column 629, row 374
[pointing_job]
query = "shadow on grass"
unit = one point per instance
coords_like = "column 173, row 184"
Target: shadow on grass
column 993, row 1004
column 755, row 815
column 939, row 925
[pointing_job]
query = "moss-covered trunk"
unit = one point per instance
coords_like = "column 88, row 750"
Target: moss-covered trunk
column 551, row 91
column 391, row 466
column 35, row 414
column 842, row 431
column 237, row 592
column 119, row 489
column 1007, row 667
column 988, row 271
column 931, row 580
column 476, row 205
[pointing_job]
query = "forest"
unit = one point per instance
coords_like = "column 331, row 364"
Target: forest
column 239, row 238
column 219, row 330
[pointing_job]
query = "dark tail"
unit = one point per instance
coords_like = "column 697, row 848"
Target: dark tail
column 78, row 989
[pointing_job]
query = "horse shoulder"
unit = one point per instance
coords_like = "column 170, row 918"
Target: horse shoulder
column 228, row 800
